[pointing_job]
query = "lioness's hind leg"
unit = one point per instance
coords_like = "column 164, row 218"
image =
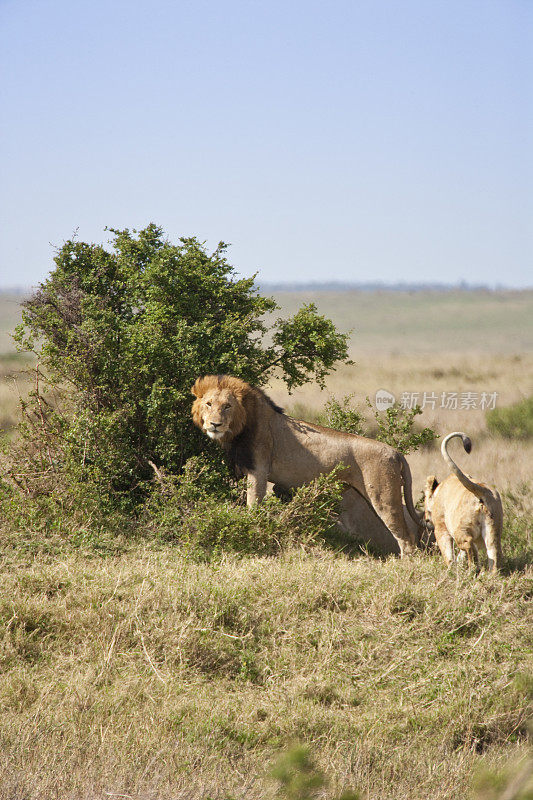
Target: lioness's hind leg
column 494, row 557
column 471, row 554
column 492, row 540
column 445, row 543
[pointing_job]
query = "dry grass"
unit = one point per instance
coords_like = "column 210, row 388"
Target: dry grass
column 15, row 384
column 146, row 676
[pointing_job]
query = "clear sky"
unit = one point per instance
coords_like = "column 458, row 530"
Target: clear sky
column 356, row 140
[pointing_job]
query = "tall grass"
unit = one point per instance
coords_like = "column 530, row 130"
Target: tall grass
column 148, row 675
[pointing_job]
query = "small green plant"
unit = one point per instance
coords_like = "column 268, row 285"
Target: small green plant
column 513, row 783
column 512, row 422
column 300, row 778
column 395, row 426
column 341, row 416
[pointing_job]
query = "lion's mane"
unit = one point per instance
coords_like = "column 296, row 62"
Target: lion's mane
column 247, row 415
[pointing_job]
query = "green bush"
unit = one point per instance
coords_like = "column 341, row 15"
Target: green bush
column 395, row 425
column 192, row 509
column 512, row 422
column 121, row 335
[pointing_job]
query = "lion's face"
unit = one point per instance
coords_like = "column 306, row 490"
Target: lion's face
column 218, row 412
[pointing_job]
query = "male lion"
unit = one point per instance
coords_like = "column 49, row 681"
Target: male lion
column 463, row 511
column 266, row 445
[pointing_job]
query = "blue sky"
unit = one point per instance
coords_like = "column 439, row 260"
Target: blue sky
column 351, row 141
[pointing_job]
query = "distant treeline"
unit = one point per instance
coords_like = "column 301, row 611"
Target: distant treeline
column 336, row 286
column 342, row 286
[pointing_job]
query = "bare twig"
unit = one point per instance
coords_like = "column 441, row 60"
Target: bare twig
column 158, row 473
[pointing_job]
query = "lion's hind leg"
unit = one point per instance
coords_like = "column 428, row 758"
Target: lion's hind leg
column 390, row 510
column 381, row 485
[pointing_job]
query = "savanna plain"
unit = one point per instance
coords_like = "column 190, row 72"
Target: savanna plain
column 130, row 670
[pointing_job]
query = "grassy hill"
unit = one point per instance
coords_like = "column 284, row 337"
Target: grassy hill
column 140, row 674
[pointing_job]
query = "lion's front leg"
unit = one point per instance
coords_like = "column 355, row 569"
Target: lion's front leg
column 256, row 486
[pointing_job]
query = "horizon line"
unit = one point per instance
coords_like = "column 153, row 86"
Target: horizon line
column 325, row 286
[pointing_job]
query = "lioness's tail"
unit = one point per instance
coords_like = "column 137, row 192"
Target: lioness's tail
column 479, row 491
column 416, row 516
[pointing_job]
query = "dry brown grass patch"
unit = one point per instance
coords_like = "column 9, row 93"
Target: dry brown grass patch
column 147, row 675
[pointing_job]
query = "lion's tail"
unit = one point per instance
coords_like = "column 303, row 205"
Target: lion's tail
column 415, row 515
column 479, row 491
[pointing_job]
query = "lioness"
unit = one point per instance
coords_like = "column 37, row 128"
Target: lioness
column 265, row 444
column 463, row 511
